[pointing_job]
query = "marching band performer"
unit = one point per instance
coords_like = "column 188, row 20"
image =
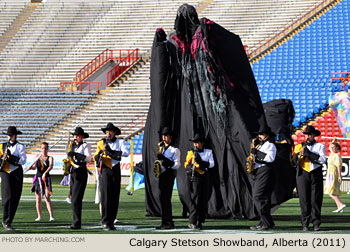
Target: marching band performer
column 309, row 157
column 197, row 163
column 13, row 156
column 42, row 180
column 262, row 177
column 80, row 154
column 108, row 155
column 170, row 157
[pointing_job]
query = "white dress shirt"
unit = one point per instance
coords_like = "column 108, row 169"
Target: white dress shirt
column 207, row 156
column 172, row 154
column 270, row 150
column 320, row 149
column 84, row 149
column 18, row 150
column 118, row 145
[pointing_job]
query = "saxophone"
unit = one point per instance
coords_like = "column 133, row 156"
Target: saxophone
column 4, row 156
column 251, row 158
column 158, row 163
column 67, row 161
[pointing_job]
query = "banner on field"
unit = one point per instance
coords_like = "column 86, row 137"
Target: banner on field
column 58, row 164
column 345, row 170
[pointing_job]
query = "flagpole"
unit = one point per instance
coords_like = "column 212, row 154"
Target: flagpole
column 131, row 192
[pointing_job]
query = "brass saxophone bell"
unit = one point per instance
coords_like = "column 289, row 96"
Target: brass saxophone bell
column 251, row 158
column 66, row 167
column 157, row 168
column 158, row 163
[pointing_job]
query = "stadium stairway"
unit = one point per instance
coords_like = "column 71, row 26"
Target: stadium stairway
column 15, row 24
column 126, row 105
column 62, row 36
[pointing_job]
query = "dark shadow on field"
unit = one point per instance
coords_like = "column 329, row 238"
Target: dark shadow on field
column 324, row 218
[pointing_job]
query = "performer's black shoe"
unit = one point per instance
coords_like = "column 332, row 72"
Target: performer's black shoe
column 193, row 226
column 168, row 225
column 259, row 228
column 255, row 227
column 199, row 225
column 75, row 226
column 317, row 227
column 107, row 227
column 7, row 227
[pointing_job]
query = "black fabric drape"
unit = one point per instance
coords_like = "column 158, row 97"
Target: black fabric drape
column 207, row 87
column 164, row 101
column 279, row 116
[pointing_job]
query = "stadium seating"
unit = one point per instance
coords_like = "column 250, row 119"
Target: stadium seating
column 125, row 105
column 329, row 128
column 35, row 112
column 63, row 36
column 9, row 11
column 301, row 68
column 256, row 21
column 137, row 140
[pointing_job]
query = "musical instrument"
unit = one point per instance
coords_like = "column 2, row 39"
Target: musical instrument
column 190, row 159
column 98, row 169
column 158, row 163
column 193, row 167
column 4, row 156
column 295, row 161
column 251, row 158
column 67, row 161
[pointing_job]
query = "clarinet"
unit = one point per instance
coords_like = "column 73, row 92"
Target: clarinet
column 195, row 152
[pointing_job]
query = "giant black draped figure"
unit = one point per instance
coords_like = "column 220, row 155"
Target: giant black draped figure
column 201, row 81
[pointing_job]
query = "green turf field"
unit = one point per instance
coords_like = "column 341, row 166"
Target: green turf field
column 132, row 219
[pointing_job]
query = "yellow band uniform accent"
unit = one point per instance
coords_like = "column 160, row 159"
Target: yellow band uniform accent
column 189, row 161
column 107, row 160
column 304, row 162
column 6, row 167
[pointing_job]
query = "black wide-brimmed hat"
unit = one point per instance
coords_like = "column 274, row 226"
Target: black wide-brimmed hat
column 110, row 126
column 166, row 131
column 80, row 132
column 12, row 130
column 198, row 137
column 264, row 129
column 311, row 130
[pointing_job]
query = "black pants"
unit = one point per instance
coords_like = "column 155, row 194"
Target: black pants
column 78, row 181
column 310, row 190
column 11, row 190
column 199, row 198
column 166, row 184
column 110, row 193
column 263, row 184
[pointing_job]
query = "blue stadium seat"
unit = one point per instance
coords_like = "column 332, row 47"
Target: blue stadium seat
column 306, row 61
